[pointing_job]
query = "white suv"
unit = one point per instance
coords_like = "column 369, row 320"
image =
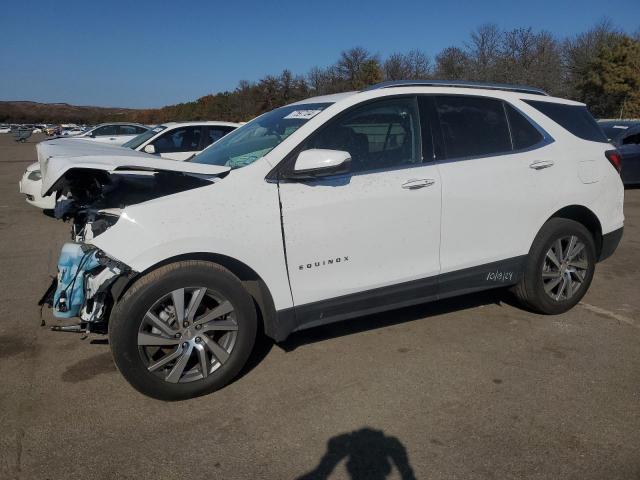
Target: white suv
column 332, row 208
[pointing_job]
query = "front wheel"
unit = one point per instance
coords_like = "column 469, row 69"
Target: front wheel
column 559, row 268
column 183, row 330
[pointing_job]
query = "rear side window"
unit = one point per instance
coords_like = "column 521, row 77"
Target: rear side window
column 126, row 130
column 574, row 118
column 473, row 126
column 523, row 134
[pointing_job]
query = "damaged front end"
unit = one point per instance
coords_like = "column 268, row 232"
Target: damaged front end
column 93, row 198
column 84, row 287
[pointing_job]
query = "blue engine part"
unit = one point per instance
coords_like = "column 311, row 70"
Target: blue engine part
column 72, row 265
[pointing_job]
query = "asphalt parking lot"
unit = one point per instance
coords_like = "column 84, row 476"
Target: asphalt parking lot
column 470, row 388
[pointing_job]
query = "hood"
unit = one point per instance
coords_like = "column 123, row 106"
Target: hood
column 33, row 167
column 93, row 189
column 74, row 147
column 119, row 160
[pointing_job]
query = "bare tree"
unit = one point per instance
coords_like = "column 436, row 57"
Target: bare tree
column 414, row 65
column 452, row 63
column 395, row 68
column 358, row 68
column 484, row 51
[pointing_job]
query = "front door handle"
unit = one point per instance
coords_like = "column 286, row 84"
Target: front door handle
column 415, row 183
column 540, row 164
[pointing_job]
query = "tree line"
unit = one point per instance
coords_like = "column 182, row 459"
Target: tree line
column 600, row 67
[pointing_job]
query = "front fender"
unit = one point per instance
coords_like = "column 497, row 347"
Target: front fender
column 184, row 224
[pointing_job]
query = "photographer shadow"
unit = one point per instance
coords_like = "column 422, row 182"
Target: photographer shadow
column 369, row 454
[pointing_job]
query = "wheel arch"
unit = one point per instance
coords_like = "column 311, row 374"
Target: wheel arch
column 255, row 285
column 586, row 217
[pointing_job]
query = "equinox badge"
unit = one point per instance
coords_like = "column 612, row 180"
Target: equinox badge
column 322, row 263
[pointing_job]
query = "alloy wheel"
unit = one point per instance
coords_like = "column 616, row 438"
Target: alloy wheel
column 565, row 268
column 187, row 334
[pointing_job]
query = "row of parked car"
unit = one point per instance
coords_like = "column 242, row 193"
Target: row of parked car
column 323, row 210
column 173, row 141
column 182, row 140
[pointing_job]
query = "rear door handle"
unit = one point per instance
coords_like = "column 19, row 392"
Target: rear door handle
column 415, row 183
column 540, row 164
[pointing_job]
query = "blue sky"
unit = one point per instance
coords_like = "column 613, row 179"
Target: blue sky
column 149, row 54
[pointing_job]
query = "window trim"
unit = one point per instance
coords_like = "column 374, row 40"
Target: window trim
column 285, row 166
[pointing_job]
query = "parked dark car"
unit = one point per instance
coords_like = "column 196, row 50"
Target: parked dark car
column 625, row 135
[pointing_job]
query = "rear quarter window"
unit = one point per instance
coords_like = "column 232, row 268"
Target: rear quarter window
column 523, row 134
column 574, row 118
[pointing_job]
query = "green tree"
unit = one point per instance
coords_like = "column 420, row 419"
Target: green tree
column 611, row 85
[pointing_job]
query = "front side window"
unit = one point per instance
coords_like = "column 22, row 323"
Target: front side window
column 472, row 126
column 254, row 140
column 135, row 142
column 182, row 139
column 378, row 135
column 126, row 130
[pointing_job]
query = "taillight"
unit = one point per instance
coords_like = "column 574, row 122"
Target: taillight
column 614, row 159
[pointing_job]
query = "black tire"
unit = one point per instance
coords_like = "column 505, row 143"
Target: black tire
column 128, row 314
column 530, row 291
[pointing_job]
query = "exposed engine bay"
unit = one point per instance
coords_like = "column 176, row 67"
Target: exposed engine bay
column 93, row 199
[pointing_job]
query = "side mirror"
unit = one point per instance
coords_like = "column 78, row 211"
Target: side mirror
column 320, row 163
column 150, row 149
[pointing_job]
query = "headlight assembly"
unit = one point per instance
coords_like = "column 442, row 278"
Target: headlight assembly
column 35, row 175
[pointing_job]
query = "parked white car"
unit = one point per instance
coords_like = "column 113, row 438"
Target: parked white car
column 70, row 130
column 5, row 129
column 30, row 186
column 327, row 209
column 173, row 141
column 111, row 133
column 180, row 140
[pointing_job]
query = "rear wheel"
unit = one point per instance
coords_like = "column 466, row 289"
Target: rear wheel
column 559, row 268
column 183, row 330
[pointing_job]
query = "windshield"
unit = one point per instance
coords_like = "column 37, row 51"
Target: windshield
column 135, row 142
column 258, row 137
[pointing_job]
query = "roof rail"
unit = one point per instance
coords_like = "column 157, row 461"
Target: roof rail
column 460, row 84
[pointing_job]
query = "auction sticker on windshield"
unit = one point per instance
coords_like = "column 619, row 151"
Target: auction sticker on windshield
column 302, row 114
